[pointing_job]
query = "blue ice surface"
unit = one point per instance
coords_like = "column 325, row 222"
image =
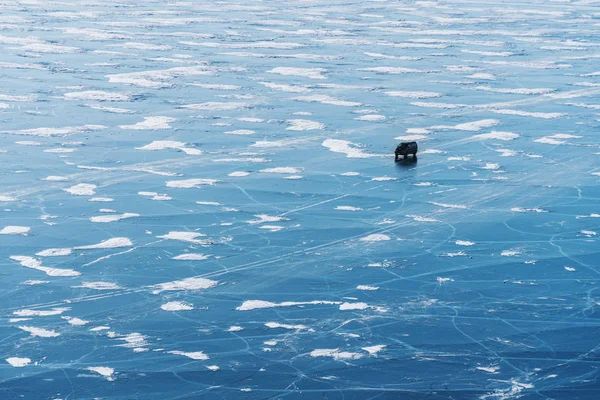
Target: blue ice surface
column 469, row 274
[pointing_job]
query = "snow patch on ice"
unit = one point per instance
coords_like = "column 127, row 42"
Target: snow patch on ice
column 65, row 131
column 82, row 189
column 99, row 285
column 185, row 284
column 217, row 106
column 15, row 230
column 191, row 183
column 108, row 244
column 497, row 135
column 97, row 95
column 414, row 95
column 367, row 287
column 325, row 99
column 371, row 118
column 346, row 147
column 106, row 372
column 39, row 332
column 275, row 325
column 348, row 208
column 238, row 174
column 113, row 218
column 282, row 170
column 30, row 262
column 312, row 73
column 375, row 237
column 150, row 123
column 18, row 362
column 528, row 114
column 336, row 354
column 177, row 306
column 260, row 304
column 196, row 355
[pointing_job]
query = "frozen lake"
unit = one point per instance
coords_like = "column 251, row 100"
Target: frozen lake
column 200, row 200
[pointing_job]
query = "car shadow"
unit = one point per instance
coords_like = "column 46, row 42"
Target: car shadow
column 408, row 162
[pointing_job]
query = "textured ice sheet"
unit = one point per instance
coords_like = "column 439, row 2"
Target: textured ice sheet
column 199, row 200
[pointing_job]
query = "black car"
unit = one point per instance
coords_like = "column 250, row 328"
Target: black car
column 406, row 148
